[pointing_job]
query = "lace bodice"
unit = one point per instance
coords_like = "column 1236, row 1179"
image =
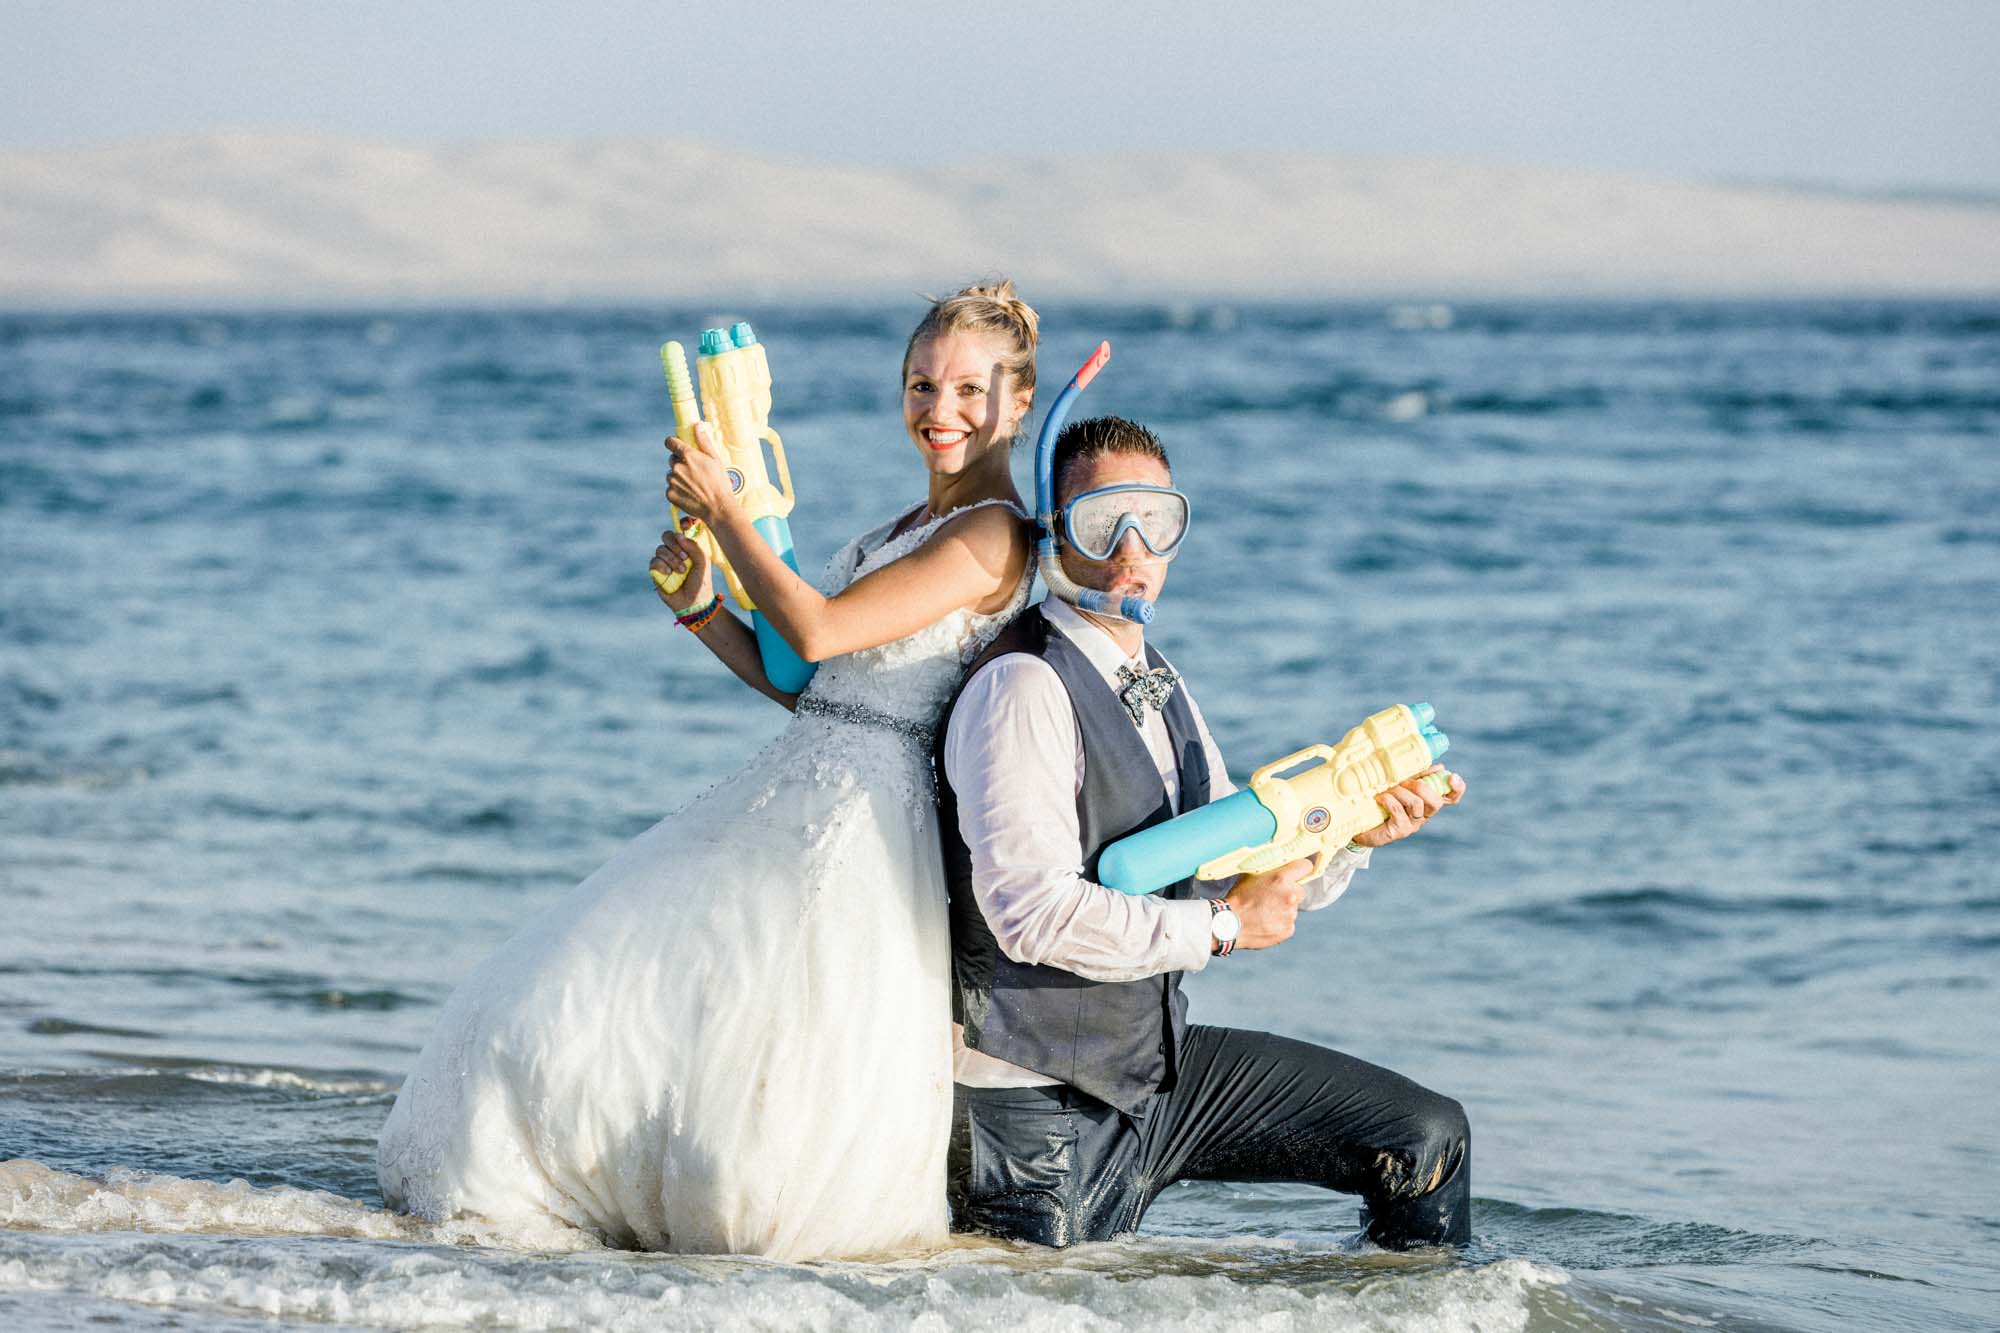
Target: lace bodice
column 909, row 679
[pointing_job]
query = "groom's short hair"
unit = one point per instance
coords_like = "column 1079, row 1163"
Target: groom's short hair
column 1099, row 437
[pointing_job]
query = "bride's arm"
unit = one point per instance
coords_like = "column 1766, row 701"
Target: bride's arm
column 727, row 637
column 972, row 561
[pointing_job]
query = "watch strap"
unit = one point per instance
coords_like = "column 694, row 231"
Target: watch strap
column 1217, row 946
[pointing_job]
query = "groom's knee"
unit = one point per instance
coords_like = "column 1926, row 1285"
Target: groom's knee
column 1420, row 1192
column 1432, row 1147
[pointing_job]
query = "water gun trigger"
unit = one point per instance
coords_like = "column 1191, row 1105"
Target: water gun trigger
column 690, row 527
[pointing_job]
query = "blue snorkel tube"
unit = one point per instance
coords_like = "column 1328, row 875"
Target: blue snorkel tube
column 1135, row 609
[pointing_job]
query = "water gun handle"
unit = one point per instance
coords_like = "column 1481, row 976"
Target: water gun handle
column 1293, row 760
column 770, row 437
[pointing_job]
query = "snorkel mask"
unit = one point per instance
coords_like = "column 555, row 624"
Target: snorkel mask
column 1095, row 522
column 1101, row 523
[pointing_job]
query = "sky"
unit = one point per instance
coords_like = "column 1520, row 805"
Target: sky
column 1848, row 93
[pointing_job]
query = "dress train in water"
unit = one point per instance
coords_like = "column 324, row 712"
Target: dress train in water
column 735, row 1036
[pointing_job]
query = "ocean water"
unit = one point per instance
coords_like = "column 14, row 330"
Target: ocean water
column 327, row 654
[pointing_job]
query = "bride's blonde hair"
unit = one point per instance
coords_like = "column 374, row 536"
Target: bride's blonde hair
column 991, row 308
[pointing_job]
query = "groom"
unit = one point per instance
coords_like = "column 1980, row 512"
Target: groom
column 1082, row 1091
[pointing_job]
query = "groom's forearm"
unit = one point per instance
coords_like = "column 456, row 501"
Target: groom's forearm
column 1053, row 917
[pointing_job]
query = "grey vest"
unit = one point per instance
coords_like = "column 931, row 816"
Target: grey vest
column 1117, row 1041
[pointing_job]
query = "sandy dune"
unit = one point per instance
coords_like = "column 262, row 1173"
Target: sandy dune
column 274, row 217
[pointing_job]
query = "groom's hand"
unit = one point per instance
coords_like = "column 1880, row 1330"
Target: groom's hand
column 1268, row 904
column 1409, row 805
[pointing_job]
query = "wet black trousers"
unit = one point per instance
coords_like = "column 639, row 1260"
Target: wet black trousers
column 1054, row 1166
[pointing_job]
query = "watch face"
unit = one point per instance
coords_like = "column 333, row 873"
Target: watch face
column 1225, row 925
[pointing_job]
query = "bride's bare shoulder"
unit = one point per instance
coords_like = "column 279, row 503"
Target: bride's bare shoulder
column 997, row 534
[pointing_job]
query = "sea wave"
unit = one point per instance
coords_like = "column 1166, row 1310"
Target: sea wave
column 455, row 1275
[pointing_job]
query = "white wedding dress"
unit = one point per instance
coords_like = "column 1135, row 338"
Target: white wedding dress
column 735, row 1037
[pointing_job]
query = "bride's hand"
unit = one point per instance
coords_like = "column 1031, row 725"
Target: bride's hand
column 675, row 553
column 697, row 481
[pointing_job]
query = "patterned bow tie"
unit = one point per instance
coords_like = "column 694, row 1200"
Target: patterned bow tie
column 1140, row 690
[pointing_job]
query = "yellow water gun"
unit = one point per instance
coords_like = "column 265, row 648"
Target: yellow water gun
column 736, row 389
column 1286, row 815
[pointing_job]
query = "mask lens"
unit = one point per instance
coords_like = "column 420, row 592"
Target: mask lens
column 1162, row 519
column 1095, row 521
column 1092, row 520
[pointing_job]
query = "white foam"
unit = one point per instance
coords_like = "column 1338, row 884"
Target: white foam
column 34, row 1197
column 290, row 1079
column 366, row 1267
column 1407, row 406
column 345, row 1283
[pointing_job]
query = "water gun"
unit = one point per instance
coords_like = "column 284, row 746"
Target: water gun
column 1279, row 819
column 736, row 386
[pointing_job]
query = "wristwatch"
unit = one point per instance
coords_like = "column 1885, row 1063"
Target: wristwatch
column 1223, row 927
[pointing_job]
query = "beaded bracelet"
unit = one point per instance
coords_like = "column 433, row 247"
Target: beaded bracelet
column 697, row 618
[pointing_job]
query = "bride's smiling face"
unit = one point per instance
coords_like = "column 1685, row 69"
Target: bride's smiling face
column 958, row 401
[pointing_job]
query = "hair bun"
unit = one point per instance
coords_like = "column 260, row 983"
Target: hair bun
column 1002, row 294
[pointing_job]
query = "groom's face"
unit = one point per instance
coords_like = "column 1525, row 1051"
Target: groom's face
column 1131, row 569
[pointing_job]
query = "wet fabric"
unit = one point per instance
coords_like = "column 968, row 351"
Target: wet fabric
column 1054, row 1166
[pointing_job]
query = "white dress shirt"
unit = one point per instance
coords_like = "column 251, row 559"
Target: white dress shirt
column 1014, row 758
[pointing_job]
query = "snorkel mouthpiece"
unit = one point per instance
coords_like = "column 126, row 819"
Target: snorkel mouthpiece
column 1135, row 609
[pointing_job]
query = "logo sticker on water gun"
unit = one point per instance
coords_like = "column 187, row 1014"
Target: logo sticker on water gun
column 735, row 481
column 1317, row 818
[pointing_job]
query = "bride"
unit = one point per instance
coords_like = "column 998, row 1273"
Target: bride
column 735, row 1036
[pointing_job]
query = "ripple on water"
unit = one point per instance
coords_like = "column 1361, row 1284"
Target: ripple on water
column 1658, row 912
column 333, row 997
column 150, row 1080
column 64, row 1027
